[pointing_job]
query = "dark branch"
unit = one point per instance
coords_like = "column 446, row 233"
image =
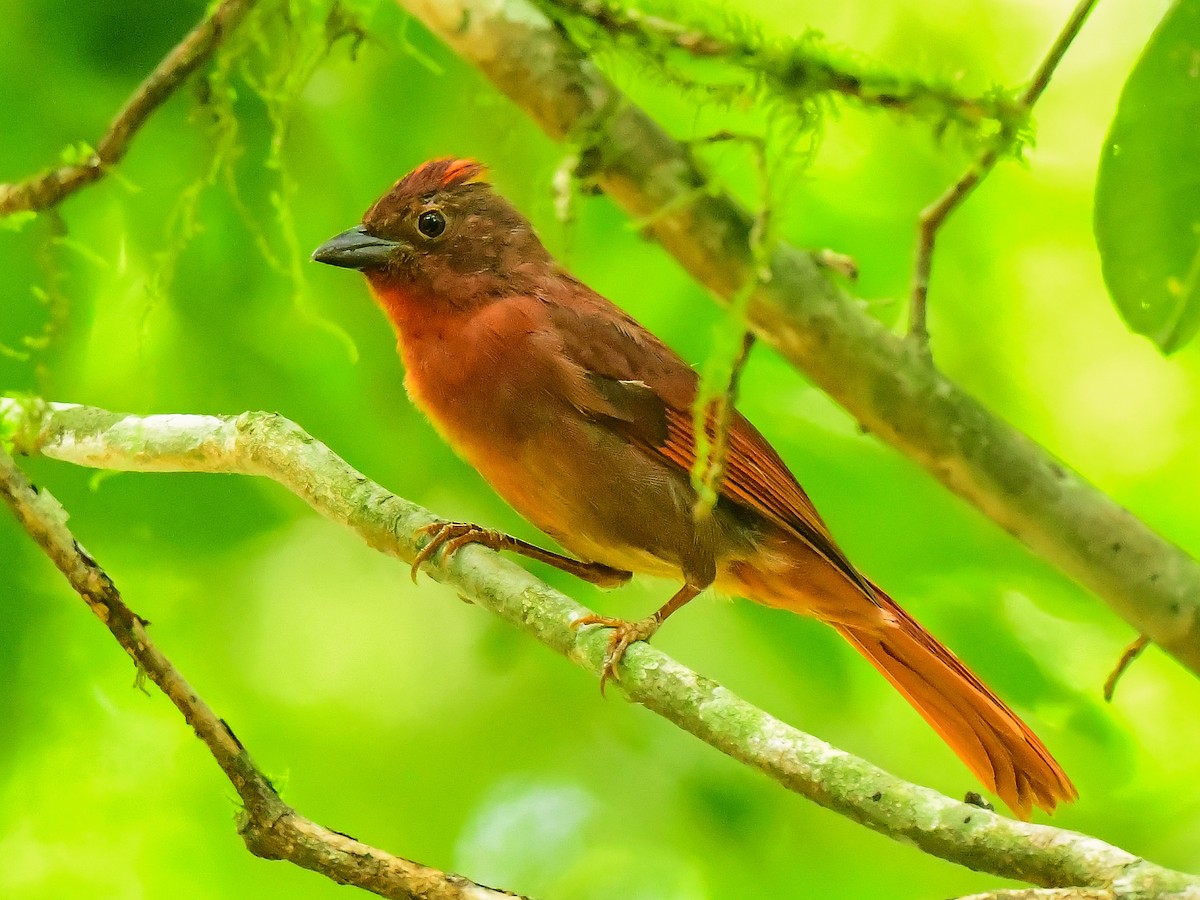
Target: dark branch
column 51, row 187
column 270, row 828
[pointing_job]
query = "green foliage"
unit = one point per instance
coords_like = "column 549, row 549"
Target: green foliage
column 1148, row 191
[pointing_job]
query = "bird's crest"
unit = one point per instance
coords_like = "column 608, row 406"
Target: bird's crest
column 427, row 179
column 437, row 175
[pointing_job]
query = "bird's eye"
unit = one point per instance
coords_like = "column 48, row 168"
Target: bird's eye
column 431, row 223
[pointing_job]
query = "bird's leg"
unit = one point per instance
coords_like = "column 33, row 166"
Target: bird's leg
column 446, row 537
column 625, row 633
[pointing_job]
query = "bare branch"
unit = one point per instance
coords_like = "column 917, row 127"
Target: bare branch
column 934, row 216
column 885, row 382
column 1044, row 71
column 51, row 187
column 270, row 828
column 268, row 445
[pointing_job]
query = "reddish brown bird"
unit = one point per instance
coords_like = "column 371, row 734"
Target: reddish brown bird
column 582, row 420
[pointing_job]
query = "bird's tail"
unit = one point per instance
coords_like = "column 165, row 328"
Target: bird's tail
column 987, row 736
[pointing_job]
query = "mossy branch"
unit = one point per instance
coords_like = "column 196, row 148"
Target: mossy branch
column 792, row 70
column 268, row 445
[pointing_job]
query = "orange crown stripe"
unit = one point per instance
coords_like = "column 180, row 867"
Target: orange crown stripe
column 460, row 171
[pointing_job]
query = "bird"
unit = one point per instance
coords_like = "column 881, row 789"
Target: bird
column 582, row 421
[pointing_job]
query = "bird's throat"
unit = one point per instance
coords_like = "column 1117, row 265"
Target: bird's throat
column 399, row 302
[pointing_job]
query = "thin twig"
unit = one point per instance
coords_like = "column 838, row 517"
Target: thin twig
column 271, row 446
column 1132, row 652
column 51, row 187
column 934, row 216
column 270, row 828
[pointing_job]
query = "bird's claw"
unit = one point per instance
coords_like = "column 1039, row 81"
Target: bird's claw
column 446, row 537
column 624, row 634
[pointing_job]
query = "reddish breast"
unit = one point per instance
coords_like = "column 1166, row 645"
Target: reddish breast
column 475, row 373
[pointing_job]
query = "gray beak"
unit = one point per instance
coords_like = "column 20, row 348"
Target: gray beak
column 355, row 249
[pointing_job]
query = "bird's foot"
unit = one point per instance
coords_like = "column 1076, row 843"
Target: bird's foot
column 446, row 537
column 624, row 633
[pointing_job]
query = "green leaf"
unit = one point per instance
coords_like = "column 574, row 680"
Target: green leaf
column 1147, row 216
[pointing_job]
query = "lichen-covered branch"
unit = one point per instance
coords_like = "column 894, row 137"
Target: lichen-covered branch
column 51, row 187
column 887, row 383
column 270, row 828
column 268, row 445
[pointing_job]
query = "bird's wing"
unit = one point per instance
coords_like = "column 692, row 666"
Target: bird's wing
column 644, row 391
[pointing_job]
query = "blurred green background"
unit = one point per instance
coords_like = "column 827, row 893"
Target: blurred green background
column 419, row 724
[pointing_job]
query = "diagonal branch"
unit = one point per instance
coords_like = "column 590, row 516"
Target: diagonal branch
column 51, row 187
column 270, row 828
column 267, row 445
column 884, row 381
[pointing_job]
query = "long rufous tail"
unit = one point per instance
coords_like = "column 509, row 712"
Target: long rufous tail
column 994, row 743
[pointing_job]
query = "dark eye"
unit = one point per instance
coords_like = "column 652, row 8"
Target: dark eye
column 431, row 223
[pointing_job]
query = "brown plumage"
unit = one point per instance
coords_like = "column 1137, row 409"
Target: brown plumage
column 582, row 420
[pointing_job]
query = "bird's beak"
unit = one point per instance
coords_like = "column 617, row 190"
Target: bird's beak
column 355, row 249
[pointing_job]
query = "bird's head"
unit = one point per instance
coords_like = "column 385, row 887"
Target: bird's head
column 441, row 235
